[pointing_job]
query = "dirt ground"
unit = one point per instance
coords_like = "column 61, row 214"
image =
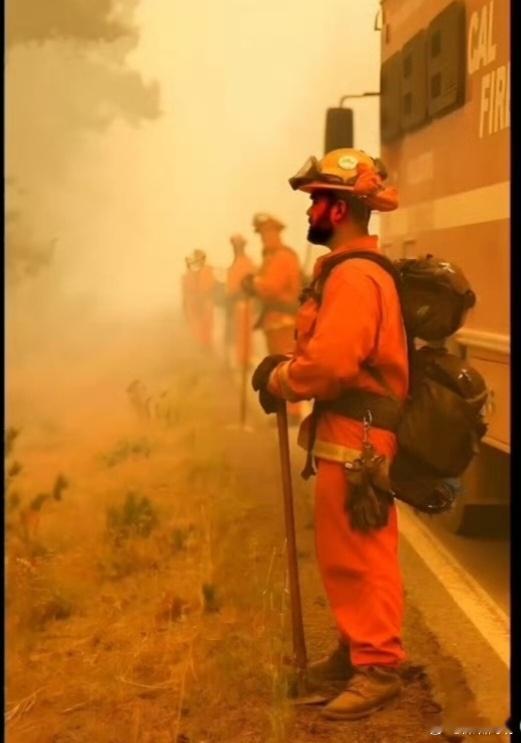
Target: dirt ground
column 148, row 602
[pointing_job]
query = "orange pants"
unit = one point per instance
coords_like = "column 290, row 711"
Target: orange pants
column 242, row 327
column 201, row 326
column 360, row 572
column 282, row 340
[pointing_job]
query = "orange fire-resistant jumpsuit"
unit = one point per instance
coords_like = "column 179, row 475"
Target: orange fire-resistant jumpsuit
column 359, row 319
column 242, row 316
column 279, row 280
column 197, row 291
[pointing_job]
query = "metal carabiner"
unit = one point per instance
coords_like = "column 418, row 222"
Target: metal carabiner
column 367, row 421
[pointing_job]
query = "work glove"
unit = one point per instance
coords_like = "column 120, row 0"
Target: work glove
column 268, row 402
column 261, row 375
column 370, row 497
column 247, row 285
column 260, row 378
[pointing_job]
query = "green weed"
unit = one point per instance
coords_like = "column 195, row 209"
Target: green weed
column 136, row 517
column 28, row 509
column 127, row 449
column 210, row 600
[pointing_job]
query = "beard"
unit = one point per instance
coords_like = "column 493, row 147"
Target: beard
column 320, row 234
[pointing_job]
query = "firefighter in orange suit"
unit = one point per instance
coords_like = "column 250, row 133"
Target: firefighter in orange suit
column 277, row 285
column 241, row 310
column 198, row 287
column 349, row 335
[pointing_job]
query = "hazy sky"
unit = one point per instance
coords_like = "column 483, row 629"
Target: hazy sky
column 244, row 87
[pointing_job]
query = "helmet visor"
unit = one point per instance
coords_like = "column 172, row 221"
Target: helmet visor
column 312, row 171
column 309, row 172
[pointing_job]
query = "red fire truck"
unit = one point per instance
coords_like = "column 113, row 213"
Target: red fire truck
column 445, row 139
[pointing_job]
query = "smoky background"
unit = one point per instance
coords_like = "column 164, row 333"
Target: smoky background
column 138, row 131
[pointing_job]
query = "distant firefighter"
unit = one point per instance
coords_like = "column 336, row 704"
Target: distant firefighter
column 239, row 302
column 198, row 288
column 277, row 285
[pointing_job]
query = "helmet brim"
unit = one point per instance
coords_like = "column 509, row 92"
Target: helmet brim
column 321, row 186
column 271, row 225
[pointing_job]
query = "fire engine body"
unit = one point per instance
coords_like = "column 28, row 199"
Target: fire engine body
column 445, row 131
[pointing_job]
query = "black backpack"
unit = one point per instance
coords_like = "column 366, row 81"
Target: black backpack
column 435, row 297
column 441, row 422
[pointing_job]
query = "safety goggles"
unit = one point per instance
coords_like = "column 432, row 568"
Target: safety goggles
column 312, row 171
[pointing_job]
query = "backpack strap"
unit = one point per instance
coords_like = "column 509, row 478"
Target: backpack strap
column 317, row 287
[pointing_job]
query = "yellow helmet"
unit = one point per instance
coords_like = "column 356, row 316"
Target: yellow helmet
column 262, row 219
column 350, row 170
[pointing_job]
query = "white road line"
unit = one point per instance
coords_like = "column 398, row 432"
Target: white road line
column 488, row 618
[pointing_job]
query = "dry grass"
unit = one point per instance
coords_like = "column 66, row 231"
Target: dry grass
column 134, row 620
column 155, row 606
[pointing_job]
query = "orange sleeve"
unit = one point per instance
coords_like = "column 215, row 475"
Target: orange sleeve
column 231, row 281
column 272, row 279
column 236, row 273
column 344, row 336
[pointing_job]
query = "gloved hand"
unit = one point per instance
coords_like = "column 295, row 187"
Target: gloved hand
column 247, row 285
column 260, row 378
column 268, row 402
column 261, row 375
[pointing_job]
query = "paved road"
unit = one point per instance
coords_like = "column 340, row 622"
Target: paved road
column 469, row 625
column 487, row 560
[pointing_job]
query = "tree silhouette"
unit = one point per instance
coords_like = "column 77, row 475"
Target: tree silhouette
column 88, row 23
column 97, row 87
column 83, row 20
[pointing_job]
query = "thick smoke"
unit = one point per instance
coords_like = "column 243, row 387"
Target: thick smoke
column 137, row 132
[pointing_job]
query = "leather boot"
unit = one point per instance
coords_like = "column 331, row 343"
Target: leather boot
column 335, row 667
column 369, row 689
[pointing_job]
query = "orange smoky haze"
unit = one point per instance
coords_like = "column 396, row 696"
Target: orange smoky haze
column 128, row 151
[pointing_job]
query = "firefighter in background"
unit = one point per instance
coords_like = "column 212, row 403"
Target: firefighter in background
column 239, row 303
column 198, row 288
column 351, row 348
column 277, row 285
